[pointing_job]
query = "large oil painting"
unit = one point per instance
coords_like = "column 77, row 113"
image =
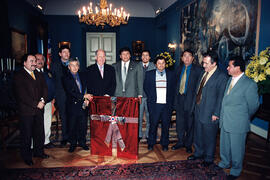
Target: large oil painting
column 225, row 26
column 18, row 44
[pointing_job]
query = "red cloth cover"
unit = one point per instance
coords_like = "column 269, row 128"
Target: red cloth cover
column 103, row 129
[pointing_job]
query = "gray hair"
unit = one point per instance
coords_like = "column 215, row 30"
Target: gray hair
column 74, row 60
column 100, row 50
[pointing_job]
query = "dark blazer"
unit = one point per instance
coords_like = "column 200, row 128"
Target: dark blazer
column 75, row 99
column 97, row 85
column 149, row 87
column 59, row 71
column 134, row 79
column 50, row 84
column 212, row 95
column 190, row 94
column 29, row 92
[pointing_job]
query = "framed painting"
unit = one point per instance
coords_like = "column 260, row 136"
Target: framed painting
column 18, row 44
column 227, row 27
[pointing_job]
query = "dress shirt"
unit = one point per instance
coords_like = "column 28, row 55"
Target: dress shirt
column 235, row 79
column 122, row 65
column 209, row 75
column 188, row 72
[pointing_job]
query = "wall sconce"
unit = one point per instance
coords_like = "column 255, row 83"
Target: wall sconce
column 172, row 48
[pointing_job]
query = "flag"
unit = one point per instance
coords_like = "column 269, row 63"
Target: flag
column 49, row 54
column 114, row 126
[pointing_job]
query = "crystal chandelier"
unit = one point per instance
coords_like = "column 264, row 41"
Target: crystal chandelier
column 103, row 15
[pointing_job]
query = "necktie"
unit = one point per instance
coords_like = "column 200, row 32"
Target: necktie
column 199, row 95
column 144, row 66
column 183, row 82
column 33, row 75
column 124, row 75
column 230, row 87
column 78, row 84
column 101, row 72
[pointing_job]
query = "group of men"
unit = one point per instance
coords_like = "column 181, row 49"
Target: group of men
column 203, row 97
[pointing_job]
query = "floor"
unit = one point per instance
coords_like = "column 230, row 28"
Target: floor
column 256, row 163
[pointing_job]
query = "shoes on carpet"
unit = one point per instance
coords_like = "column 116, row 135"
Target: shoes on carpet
column 85, row 147
column 192, row 157
column 231, row 177
column 189, row 150
column 29, row 162
column 42, row 156
column 216, row 167
column 49, row 145
column 206, row 164
column 63, row 142
column 164, row 148
column 177, row 146
column 71, row 149
column 150, row 148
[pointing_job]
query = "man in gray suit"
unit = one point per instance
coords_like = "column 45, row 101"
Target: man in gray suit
column 129, row 76
column 145, row 65
column 210, row 91
column 240, row 102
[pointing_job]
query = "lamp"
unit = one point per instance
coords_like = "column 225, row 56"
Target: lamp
column 103, row 15
column 172, row 48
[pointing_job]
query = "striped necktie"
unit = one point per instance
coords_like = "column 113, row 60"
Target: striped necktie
column 183, row 82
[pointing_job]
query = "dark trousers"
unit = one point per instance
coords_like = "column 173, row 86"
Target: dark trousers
column 159, row 112
column 205, row 136
column 61, row 106
column 31, row 127
column 184, row 126
column 78, row 129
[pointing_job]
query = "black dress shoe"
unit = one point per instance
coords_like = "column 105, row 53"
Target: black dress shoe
column 189, row 150
column 43, row 156
column 192, row 157
column 177, row 146
column 85, row 147
column 217, row 168
column 206, row 164
column 49, row 145
column 72, row 149
column 164, row 148
column 231, row 177
column 64, row 143
column 29, row 162
column 150, row 148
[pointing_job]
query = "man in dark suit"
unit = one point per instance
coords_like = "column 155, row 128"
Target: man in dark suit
column 159, row 87
column 145, row 65
column 239, row 104
column 59, row 70
column 210, row 91
column 77, row 101
column 31, row 95
column 129, row 76
column 51, row 94
column 100, row 76
column 187, row 75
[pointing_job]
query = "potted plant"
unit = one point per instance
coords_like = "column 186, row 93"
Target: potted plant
column 258, row 69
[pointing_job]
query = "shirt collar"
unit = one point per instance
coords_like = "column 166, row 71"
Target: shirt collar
column 164, row 72
column 28, row 70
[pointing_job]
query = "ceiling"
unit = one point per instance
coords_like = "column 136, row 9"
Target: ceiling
column 136, row 8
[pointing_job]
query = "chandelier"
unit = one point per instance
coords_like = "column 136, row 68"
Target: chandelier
column 103, row 15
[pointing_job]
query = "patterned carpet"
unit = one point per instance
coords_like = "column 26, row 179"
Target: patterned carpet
column 186, row 170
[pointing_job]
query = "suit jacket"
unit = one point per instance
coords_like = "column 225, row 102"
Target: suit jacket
column 134, row 79
column 212, row 95
column 239, row 105
column 75, row 98
column 59, row 71
column 149, row 87
column 150, row 67
column 29, row 92
column 50, row 84
column 97, row 85
column 190, row 94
